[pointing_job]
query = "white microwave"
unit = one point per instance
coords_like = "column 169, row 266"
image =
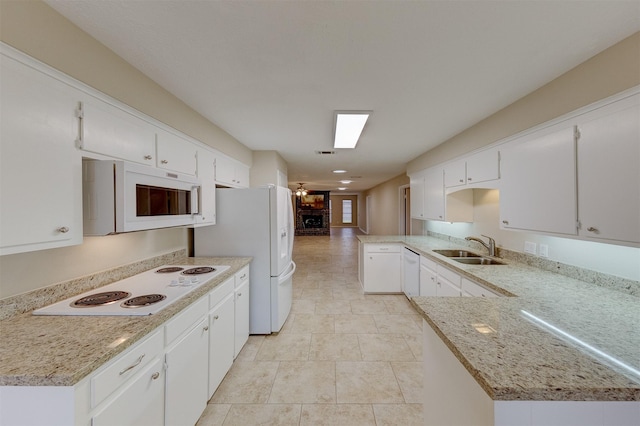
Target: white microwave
column 122, row 197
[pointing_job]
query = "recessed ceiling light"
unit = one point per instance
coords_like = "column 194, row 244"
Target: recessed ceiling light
column 341, row 189
column 346, row 182
column 339, row 171
column 349, row 125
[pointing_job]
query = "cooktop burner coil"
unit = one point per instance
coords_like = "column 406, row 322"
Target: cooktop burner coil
column 169, row 269
column 199, row 270
column 145, row 300
column 99, row 299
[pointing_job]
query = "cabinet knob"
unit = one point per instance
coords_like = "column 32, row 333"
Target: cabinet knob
column 148, row 157
column 592, row 229
column 205, row 328
column 63, row 230
column 155, row 375
column 506, row 222
column 164, row 161
column 239, row 294
column 216, row 317
column 440, row 217
column 469, row 179
column 461, row 180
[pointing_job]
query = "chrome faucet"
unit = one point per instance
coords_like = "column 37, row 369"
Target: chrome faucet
column 491, row 246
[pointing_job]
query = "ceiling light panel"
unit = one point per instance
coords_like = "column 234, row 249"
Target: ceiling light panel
column 349, row 126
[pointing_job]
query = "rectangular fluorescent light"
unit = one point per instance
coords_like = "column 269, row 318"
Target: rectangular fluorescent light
column 349, row 126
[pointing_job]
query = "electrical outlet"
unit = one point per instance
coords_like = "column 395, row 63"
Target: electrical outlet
column 544, row 250
column 530, row 247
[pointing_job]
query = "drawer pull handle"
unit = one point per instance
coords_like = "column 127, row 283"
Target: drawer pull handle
column 592, row 229
column 506, row 222
column 243, row 276
column 164, row 161
column 148, row 157
column 63, row 229
column 134, row 365
column 155, row 375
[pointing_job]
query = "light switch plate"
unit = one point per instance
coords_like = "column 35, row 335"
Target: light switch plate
column 530, row 247
column 544, row 250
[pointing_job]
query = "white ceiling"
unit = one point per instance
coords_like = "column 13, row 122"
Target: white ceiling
column 271, row 73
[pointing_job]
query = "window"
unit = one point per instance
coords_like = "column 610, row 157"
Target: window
column 346, row 211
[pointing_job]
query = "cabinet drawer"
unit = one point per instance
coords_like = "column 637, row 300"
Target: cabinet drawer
column 123, row 367
column 186, row 319
column 242, row 275
column 428, row 263
column 220, row 292
column 448, row 274
column 383, row 248
column 476, row 290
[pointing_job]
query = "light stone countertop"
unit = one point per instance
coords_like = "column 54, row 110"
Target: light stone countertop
column 62, row 350
column 537, row 351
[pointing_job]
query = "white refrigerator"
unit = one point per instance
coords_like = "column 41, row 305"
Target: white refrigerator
column 256, row 222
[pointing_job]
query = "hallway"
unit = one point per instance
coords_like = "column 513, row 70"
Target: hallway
column 342, row 357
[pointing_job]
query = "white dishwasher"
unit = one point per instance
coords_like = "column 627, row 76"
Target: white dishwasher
column 411, row 273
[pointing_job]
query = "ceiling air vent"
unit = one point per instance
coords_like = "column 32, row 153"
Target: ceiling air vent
column 325, row 152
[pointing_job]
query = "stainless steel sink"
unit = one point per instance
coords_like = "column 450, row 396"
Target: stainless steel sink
column 456, row 253
column 478, row 261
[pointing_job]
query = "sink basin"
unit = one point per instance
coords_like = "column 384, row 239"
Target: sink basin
column 478, row 261
column 456, row 253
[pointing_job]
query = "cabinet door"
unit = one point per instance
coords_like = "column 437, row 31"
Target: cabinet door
column 241, row 317
column 483, row 166
column 416, row 183
column 434, row 194
column 225, row 171
column 242, row 175
column 186, row 377
column 383, row 273
column 455, row 174
column 428, row 282
column 139, row 403
column 609, row 173
column 539, row 183
column 207, row 174
column 221, row 342
column 40, row 166
column 108, row 130
column 446, row 288
column 175, row 153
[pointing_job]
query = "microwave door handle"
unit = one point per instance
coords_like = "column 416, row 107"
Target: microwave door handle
column 195, row 200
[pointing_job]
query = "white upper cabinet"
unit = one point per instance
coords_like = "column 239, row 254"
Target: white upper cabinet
column 539, row 182
column 609, row 172
column 455, row 174
column 111, row 131
column 483, row 166
column 206, row 161
column 480, row 167
column 455, row 207
column 40, row 166
column 231, row 173
column 416, row 183
column 175, row 153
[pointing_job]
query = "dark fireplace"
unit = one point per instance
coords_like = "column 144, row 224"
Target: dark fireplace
column 309, row 221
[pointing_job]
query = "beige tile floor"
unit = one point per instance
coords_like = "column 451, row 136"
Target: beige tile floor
column 342, row 357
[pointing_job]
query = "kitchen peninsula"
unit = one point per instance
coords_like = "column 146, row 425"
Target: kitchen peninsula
column 119, row 369
column 559, row 351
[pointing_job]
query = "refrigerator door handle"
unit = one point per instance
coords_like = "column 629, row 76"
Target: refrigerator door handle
column 288, row 274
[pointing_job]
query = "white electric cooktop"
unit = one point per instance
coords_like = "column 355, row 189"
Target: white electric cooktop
column 144, row 294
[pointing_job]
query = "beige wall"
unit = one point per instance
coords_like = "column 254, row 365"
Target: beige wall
column 336, row 209
column 266, row 165
column 610, row 72
column 384, row 207
column 36, row 29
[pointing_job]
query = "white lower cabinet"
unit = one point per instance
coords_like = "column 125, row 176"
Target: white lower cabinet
column 221, row 333
column 382, row 272
column 187, row 361
column 471, row 289
column 436, row 280
column 139, row 402
column 241, row 294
